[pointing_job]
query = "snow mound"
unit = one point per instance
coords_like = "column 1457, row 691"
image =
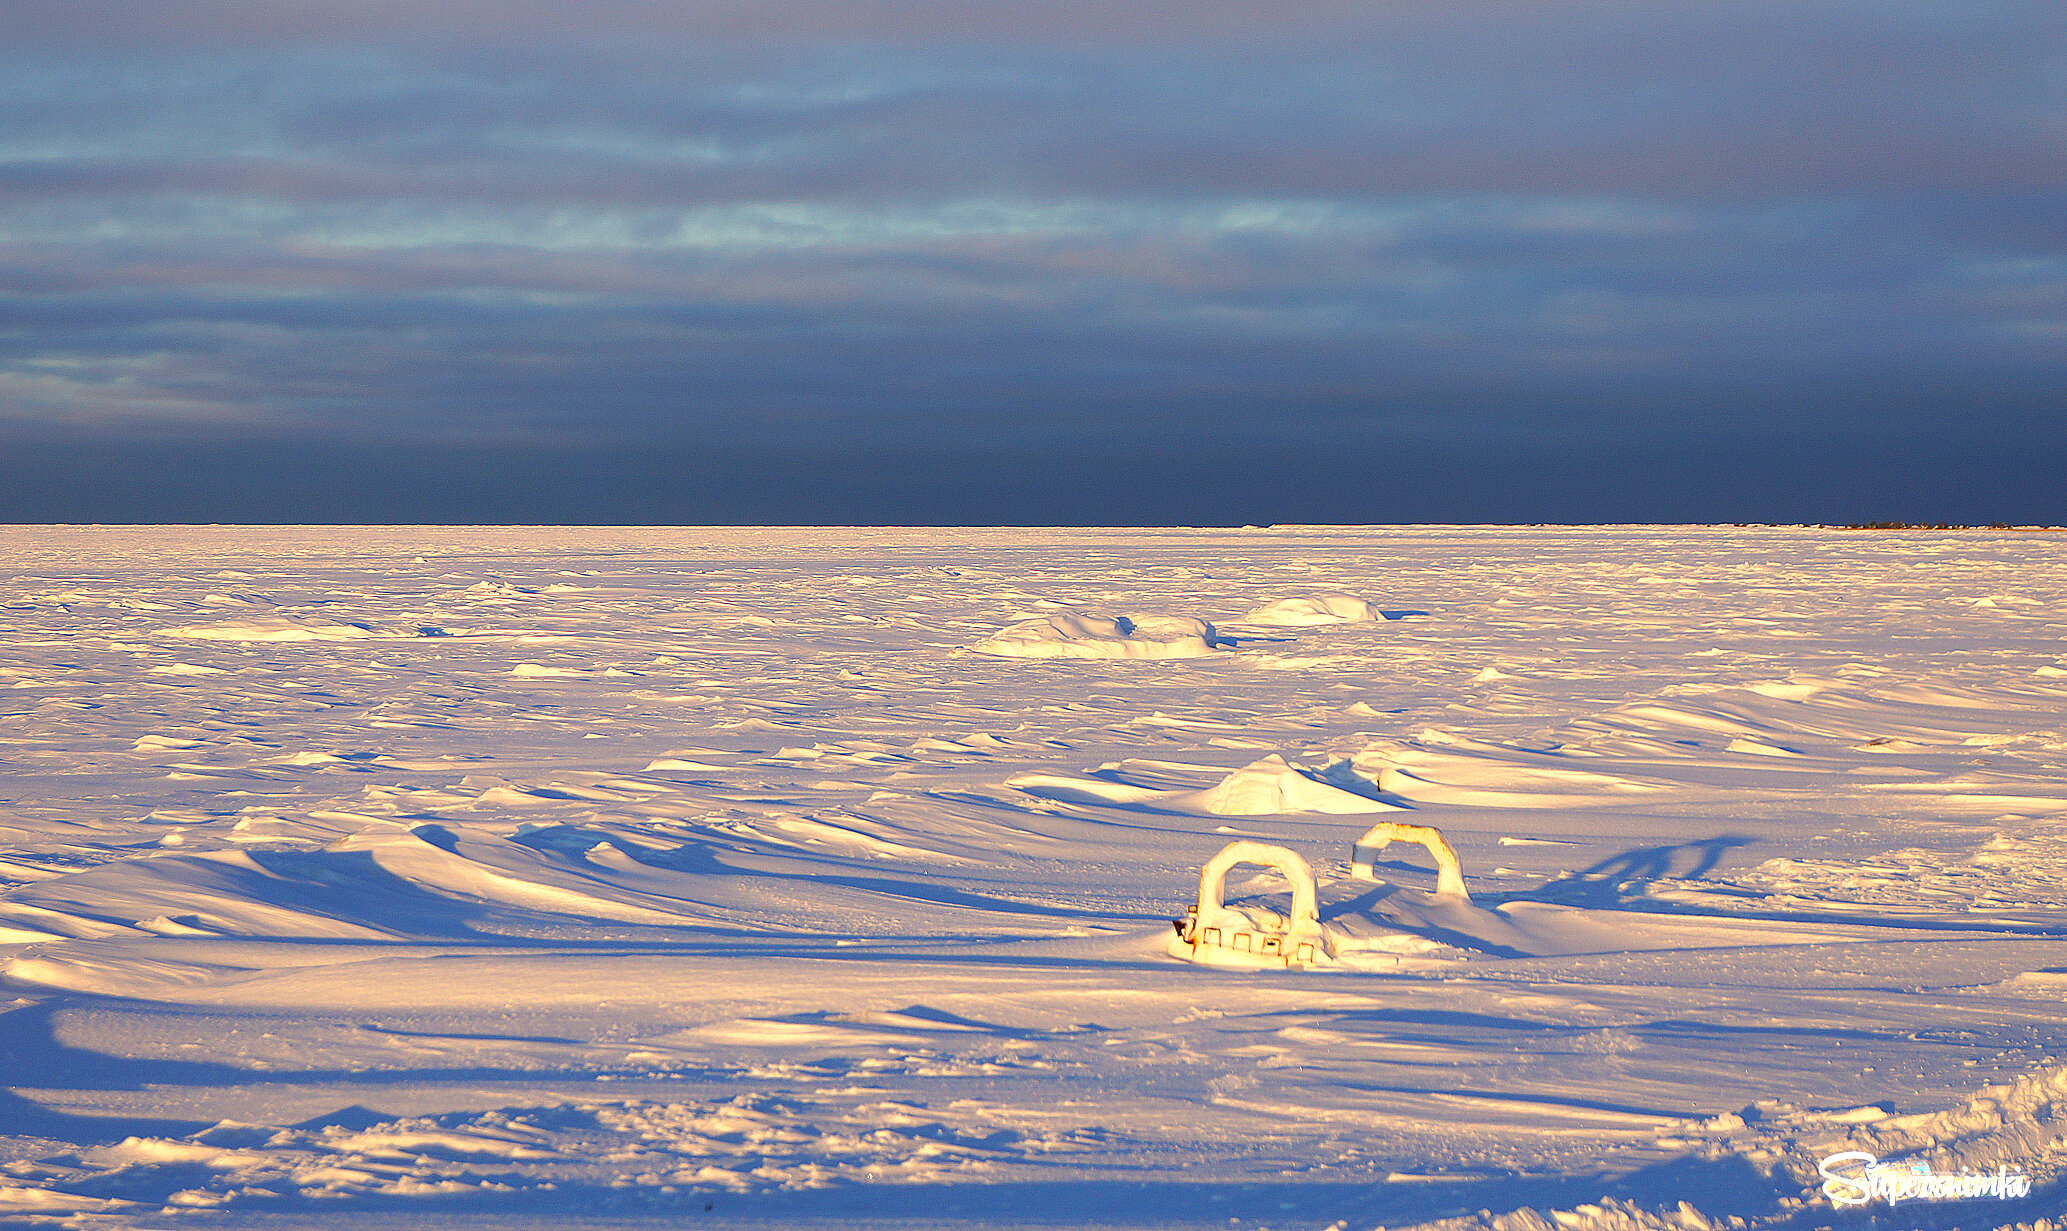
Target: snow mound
column 1333, row 608
column 1330, row 608
column 1268, row 787
column 274, row 628
column 1086, row 634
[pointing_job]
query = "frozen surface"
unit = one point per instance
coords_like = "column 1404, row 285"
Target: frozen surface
column 553, row 877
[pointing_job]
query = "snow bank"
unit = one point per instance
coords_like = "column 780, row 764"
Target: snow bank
column 1314, row 609
column 1086, row 634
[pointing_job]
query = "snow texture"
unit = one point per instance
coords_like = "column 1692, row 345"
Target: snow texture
column 472, row 877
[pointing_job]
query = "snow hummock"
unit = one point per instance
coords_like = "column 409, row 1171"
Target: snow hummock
column 1089, row 634
column 275, row 628
column 1267, row 787
column 1270, row 786
column 1314, row 609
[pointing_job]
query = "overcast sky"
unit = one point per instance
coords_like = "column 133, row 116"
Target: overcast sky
column 884, row 260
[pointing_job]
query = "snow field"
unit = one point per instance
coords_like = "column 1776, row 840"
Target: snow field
column 655, row 868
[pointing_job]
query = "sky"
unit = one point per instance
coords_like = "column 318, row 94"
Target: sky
column 1045, row 261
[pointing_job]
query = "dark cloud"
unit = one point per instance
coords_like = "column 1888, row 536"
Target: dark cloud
column 530, row 23
column 1068, row 229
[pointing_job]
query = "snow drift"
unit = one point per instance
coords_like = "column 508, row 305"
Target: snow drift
column 1267, row 787
column 1313, row 609
column 274, row 628
column 1085, row 634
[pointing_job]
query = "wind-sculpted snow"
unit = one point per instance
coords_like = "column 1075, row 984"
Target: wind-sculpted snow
column 274, row 628
column 466, row 874
column 2012, row 1132
column 1268, row 787
column 1308, row 610
column 1086, row 634
column 569, row 1156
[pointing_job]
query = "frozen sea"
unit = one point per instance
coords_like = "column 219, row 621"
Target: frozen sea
column 601, row 877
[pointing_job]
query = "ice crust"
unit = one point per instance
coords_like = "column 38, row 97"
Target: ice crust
column 538, row 874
